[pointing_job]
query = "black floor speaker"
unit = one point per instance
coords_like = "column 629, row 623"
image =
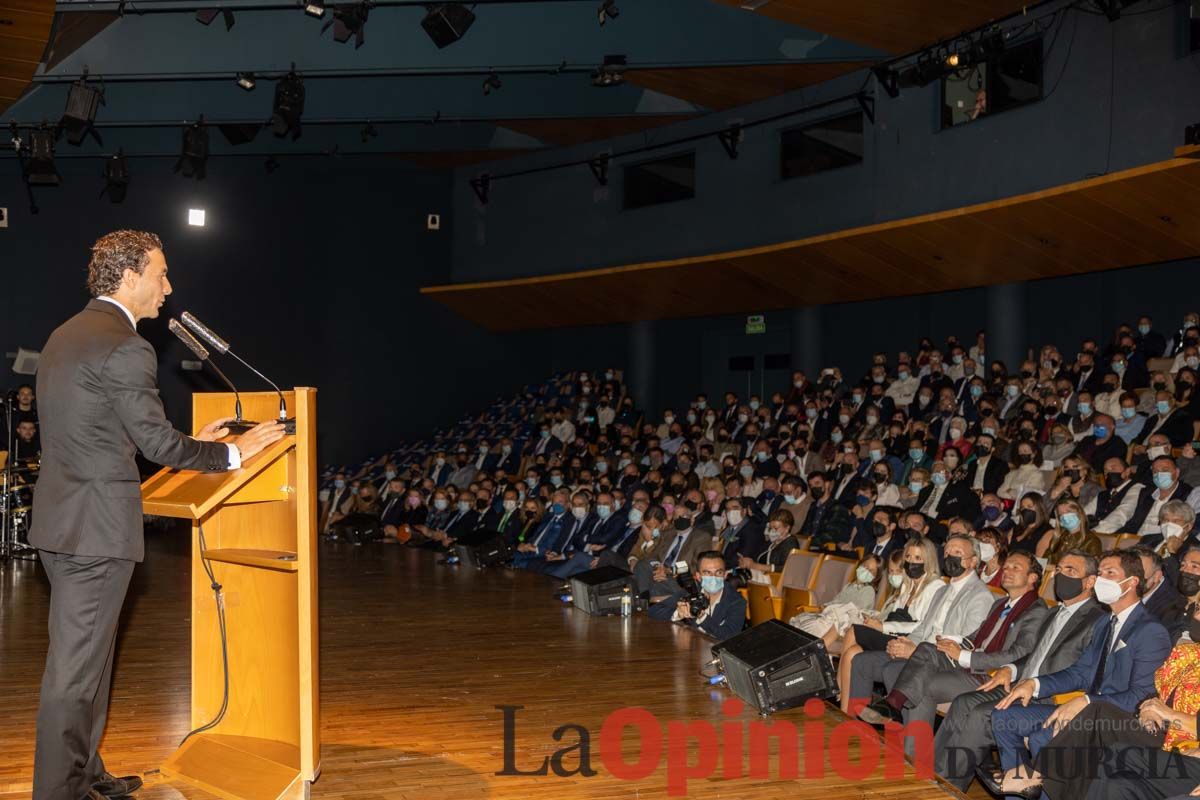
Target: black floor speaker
column 599, row 591
column 774, row 666
column 486, row 550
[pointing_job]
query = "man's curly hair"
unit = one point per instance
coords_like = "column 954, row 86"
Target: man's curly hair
column 116, row 252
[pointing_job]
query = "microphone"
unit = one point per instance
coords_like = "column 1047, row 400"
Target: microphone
column 222, row 347
column 201, row 353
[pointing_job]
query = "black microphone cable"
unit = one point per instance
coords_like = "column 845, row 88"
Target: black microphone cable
column 216, row 587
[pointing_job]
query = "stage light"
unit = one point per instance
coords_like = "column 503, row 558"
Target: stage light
column 315, row 8
column 608, row 10
column 289, row 105
column 246, row 81
column 80, row 114
column 40, row 171
column 491, row 83
column 349, row 21
column 952, row 60
column 205, row 16
column 446, row 23
column 989, row 45
column 116, row 177
column 611, row 72
column 196, row 217
column 193, row 156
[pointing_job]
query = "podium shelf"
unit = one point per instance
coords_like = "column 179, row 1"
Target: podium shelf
column 280, row 560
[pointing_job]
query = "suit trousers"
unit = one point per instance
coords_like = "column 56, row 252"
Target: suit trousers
column 929, row 678
column 86, row 595
column 871, row 667
column 964, row 739
column 1011, row 726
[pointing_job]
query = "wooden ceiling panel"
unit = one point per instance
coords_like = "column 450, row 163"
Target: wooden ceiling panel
column 24, row 29
column 894, row 26
column 722, row 88
column 1138, row 216
column 564, row 131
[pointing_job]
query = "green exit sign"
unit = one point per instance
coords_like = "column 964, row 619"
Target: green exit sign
column 756, row 324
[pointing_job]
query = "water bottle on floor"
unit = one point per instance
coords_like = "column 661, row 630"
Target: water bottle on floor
column 626, row 602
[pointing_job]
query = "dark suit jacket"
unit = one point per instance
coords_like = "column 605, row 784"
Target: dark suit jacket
column 1141, row 647
column 1166, row 605
column 1177, row 428
column 748, row 541
column 1071, row 641
column 726, row 618
column 98, row 402
column 993, row 475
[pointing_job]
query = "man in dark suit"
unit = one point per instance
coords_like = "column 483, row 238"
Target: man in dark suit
column 725, row 615
column 743, row 536
column 1128, row 645
column 439, row 471
column 984, row 458
column 548, row 535
column 508, row 459
column 99, row 406
column 1162, row 599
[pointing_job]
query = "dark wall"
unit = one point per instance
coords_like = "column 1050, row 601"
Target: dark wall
column 1119, row 100
column 311, row 273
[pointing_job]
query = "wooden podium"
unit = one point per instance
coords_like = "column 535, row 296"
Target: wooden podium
column 260, row 532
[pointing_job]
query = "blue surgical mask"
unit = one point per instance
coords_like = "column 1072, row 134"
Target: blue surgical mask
column 1143, row 329
column 976, row 391
column 1163, row 407
column 1128, row 412
column 1012, row 391
column 440, row 504
column 339, row 484
column 876, row 455
column 545, row 434
column 811, row 413
column 835, row 437
column 711, row 583
column 1085, row 408
column 902, row 376
column 1069, row 521
column 556, row 509
column 1163, row 480
column 1118, row 366
column 635, row 516
column 1100, row 431
column 915, row 454
column 915, row 487
column 556, row 480
column 862, row 500
column 603, row 511
column 939, row 478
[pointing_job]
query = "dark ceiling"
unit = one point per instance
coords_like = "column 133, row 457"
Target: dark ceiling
column 162, row 68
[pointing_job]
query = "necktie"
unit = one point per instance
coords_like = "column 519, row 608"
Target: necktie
column 1098, row 680
column 504, row 519
column 676, row 546
column 388, row 507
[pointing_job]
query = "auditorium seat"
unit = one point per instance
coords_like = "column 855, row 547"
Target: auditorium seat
column 1047, row 591
column 1125, row 540
column 1109, row 540
column 761, row 603
column 833, row 573
column 799, row 574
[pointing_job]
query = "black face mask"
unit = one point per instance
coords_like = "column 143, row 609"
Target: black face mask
column 1028, row 517
column 913, row 569
column 1024, row 458
column 1113, row 479
column 1160, row 386
column 816, row 492
column 1065, row 588
column 983, row 450
column 1073, row 474
column 682, row 524
column 1188, row 585
column 954, row 566
column 879, row 529
column 691, row 505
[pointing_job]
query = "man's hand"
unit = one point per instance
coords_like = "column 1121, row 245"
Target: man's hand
column 594, row 563
column 1021, row 693
column 685, row 610
column 391, row 530
column 950, row 647
column 660, row 573
column 214, row 430
column 260, row 436
column 902, row 647
column 1065, row 713
column 526, row 547
column 1002, row 679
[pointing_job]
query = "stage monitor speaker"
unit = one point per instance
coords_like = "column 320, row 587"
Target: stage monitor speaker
column 487, row 550
column 598, row 591
column 774, row 666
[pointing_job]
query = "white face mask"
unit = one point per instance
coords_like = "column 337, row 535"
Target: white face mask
column 864, row 575
column 896, row 580
column 579, row 512
column 734, row 516
column 987, row 551
column 1171, row 529
column 1109, row 591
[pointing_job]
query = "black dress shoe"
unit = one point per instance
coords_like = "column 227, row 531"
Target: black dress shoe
column 880, row 713
column 111, row 786
column 992, row 780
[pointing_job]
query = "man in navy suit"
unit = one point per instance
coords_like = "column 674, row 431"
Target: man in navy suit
column 549, row 534
column 726, row 612
column 440, row 471
column 1118, row 666
column 744, row 536
column 604, row 534
column 578, row 528
column 508, row 459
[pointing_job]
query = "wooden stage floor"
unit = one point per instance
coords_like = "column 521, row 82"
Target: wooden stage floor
column 415, row 658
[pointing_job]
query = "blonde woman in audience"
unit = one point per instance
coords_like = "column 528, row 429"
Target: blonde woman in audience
column 849, row 606
column 920, row 583
column 1070, row 532
column 1060, row 445
column 1026, row 474
column 1072, row 481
